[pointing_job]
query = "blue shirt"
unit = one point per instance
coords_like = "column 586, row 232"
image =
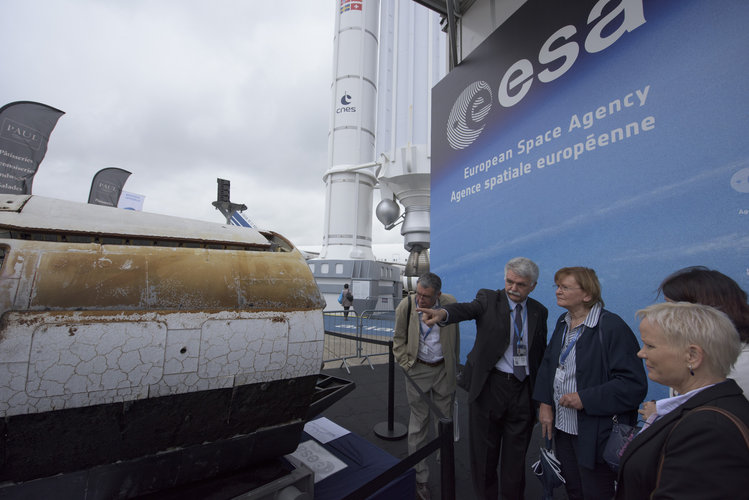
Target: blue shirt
column 564, row 378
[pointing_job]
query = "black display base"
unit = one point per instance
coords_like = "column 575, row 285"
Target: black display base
column 399, row 431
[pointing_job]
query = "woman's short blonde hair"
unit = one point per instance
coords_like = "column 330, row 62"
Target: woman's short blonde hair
column 684, row 323
column 587, row 279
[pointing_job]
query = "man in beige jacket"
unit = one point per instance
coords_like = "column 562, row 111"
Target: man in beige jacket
column 429, row 355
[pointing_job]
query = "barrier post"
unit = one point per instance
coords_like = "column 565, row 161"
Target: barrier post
column 391, row 430
column 447, row 458
column 359, row 334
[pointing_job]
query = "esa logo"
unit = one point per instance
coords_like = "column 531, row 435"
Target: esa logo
column 346, row 104
column 555, row 57
column 472, row 106
column 740, row 181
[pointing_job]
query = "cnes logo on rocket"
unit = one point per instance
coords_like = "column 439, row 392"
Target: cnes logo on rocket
column 346, row 104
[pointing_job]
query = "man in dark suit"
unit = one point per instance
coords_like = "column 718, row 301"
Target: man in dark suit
column 499, row 375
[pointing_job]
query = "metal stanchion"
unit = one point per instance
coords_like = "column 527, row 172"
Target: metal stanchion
column 391, row 430
column 447, row 458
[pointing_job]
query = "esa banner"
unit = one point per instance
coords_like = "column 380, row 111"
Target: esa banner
column 610, row 134
column 25, row 128
column 106, row 186
column 131, row 201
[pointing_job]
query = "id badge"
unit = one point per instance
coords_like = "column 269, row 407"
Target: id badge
column 558, row 380
column 521, row 358
column 423, row 348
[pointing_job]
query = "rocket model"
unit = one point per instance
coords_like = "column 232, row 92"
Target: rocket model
column 346, row 256
column 387, row 56
column 350, row 180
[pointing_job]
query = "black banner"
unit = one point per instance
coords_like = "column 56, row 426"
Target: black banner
column 25, row 128
column 107, row 185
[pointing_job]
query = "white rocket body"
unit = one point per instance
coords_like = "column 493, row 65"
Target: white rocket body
column 387, row 56
column 348, row 208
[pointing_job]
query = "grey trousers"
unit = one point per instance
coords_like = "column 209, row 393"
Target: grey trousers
column 433, row 382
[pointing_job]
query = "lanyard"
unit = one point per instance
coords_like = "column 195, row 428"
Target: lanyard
column 424, row 334
column 519, row 332
column 576, row 332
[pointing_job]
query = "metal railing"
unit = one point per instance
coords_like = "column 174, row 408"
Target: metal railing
column 346, row 337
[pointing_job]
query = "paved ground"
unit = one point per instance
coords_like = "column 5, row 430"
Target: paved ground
column 367, row 406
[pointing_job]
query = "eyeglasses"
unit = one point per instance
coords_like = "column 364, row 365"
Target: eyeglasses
column 565, row 288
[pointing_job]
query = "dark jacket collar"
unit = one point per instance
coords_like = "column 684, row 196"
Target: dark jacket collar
column 719, row 390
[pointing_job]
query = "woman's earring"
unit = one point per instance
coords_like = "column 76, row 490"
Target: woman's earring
column 691, row 372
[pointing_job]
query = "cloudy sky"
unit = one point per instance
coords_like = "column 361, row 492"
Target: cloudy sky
column 180, row 92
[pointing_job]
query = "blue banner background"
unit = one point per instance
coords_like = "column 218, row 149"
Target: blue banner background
column 635, row 210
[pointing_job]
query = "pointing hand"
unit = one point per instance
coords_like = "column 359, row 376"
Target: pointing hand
column 432, row 316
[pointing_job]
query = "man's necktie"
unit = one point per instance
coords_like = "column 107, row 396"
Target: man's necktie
column 518, row 371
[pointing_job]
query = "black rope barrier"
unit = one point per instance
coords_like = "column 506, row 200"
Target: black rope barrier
column 444, row 442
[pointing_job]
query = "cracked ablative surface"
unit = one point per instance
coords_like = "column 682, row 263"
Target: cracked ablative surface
column 52, row 361
column 127, row 334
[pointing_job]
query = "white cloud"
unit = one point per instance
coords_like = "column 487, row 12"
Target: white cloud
column 180, row 92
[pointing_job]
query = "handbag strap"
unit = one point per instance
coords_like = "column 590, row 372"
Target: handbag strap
column 730, row 416
column 604, row 352
column 605, row 358
column 408, row 316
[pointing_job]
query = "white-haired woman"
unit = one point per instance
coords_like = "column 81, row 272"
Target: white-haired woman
column 695, row 445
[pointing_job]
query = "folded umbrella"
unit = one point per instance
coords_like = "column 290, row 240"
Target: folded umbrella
column 548, row 470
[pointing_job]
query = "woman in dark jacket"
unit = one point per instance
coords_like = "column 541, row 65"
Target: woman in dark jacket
column 590, row 372
column 696, row 445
